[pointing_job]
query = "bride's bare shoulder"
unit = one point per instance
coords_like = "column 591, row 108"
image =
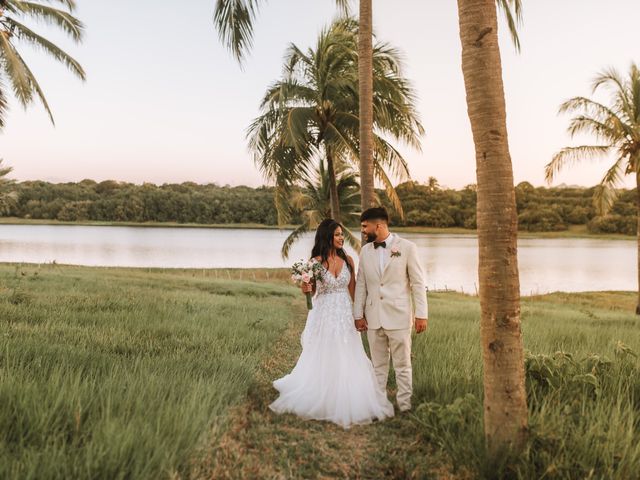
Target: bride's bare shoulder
column 350, row 260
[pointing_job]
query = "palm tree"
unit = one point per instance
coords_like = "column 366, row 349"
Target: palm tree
column 312, row 200
column 313, row 112
column 505, row 406
column 616, row 126
column 234, row 20
column 13, row 68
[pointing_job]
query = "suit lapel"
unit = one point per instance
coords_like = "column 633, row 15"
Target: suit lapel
column 396, row 238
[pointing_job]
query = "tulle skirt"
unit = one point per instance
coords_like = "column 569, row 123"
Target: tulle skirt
column 333, row 379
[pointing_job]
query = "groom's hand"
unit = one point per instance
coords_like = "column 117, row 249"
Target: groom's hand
column 421, row 325
column 361, row 325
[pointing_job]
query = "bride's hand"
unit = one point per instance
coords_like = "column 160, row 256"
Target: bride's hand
column 361, row 325
column 307, row 288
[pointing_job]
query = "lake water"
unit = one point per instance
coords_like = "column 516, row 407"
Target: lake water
column 450, row 261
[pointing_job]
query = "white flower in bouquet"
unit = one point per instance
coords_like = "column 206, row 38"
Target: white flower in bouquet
column 306, row 272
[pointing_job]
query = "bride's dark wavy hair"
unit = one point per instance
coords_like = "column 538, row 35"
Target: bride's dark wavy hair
column 324, row 242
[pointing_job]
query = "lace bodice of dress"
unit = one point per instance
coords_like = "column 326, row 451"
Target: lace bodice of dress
column 333, row 284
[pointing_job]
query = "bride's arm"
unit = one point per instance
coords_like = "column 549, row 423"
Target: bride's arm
column 352, row 280
column 311, row 286
column 313, row 282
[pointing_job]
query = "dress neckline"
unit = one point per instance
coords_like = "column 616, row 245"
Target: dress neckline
column 339, row 273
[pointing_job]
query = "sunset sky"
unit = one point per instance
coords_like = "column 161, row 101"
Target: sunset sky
column 165, row 102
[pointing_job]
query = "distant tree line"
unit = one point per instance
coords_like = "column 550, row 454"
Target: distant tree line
column 539, row 209
column 112, row 201
column 425, row 204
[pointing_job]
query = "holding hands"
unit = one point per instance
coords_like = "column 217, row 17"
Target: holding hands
column 420, row 324
column 361, row 325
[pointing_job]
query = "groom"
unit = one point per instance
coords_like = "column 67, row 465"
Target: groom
column 389, row 277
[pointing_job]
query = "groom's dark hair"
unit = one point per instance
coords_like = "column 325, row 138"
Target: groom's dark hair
column 376, row 213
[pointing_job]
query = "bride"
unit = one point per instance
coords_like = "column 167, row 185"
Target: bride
column 333, row 379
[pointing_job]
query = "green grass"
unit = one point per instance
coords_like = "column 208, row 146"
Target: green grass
column 583, row 386
column 152, row 373
column 108, row 373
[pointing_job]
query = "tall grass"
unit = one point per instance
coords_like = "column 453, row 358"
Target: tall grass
column 583, row 383
column 130, row 373
column 114, row 373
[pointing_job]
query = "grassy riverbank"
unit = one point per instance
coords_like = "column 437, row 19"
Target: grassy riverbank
column 151, row 373
column 109, row 373
column 574, row 231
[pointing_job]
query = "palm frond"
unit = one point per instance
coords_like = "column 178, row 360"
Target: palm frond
column 21, row 79
column 4, row 171
column 28, row 35
column 70, row 4
column 292, row 239
column 352, row 239
column 615, row 124
column 605, row 193
column 389, row 189
column 234, row 21
column 35, row 86
column 602, row 131
column 572, row 155
column 344, row 6
column 3, row 104
column 610, row 77
column 512, row 10
column 15, row 70
column 281, row 200
column 390, row 159
column 296, row 134
column 598, row 111
column 53, row 16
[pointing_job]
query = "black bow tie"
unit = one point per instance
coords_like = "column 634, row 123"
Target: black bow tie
column 379, row 244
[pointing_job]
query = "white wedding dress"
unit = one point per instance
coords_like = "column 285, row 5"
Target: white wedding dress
column 333, row 379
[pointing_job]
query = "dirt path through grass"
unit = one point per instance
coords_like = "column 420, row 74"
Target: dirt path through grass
column 260, row 444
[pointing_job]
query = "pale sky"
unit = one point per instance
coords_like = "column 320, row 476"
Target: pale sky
column 165, row 102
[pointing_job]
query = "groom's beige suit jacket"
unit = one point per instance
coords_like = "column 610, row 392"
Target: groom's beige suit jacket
column 385, row 297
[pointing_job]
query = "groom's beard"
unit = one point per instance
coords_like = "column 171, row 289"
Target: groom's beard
column 371, row 237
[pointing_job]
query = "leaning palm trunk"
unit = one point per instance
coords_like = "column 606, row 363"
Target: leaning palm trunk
column 505, row 406
column 333, row 186
column 365, row 75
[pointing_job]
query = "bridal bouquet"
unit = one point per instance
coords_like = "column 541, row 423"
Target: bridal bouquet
column 306, row 272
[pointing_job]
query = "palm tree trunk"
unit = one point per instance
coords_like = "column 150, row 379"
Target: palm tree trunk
column 638, row 235
column 505, row 401
column 333, row 187
column 365, row 74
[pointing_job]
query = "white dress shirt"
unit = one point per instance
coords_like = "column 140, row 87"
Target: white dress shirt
column 384, row 254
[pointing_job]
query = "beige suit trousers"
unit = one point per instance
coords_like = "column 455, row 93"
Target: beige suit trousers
column 396, row 344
